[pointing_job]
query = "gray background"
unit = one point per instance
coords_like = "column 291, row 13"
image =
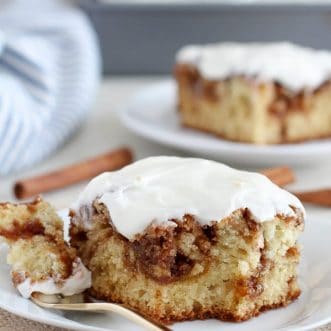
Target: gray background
column 138, row 39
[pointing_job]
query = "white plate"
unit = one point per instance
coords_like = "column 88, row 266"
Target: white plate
column 152, row 114
column 311, row 310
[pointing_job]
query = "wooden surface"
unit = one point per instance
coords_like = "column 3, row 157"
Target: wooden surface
column 10, row 322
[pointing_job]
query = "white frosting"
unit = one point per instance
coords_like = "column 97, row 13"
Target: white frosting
column 79, row 281
column 293, row 66
column 159, row 189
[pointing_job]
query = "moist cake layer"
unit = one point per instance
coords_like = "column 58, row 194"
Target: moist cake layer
column 243, row 108
column 232, row 269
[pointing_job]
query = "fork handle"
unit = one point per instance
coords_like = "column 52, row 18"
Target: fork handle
column 130, row 314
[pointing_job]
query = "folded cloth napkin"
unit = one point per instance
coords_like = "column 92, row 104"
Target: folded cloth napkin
column 49, row 73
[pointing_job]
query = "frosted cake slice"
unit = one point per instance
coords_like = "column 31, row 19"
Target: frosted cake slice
column 182, row 239
column 261, row 93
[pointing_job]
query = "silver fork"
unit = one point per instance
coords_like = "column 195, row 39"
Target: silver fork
column 56, row 302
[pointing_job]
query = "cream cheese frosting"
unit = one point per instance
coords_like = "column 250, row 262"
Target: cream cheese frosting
column 158, row 189
column 295, row 67
column 78, row 282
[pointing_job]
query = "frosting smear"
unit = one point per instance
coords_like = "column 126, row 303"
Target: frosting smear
column 78, row 282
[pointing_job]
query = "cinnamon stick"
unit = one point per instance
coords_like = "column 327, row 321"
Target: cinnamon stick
column 320, row 197
column 281, row 176
column 284, row 175
column 72, row 174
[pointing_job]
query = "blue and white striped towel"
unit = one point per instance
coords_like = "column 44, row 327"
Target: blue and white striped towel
column 49, row 73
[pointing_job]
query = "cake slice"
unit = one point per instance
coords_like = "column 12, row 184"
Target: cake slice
column 181, row 239
column 259, row 93
column 41, row 260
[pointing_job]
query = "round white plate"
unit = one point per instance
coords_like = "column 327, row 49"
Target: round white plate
column 311, row 310
column 152, row 114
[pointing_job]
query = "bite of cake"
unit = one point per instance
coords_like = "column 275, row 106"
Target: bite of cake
column 40, row 259
column 262, row 93
column 182, row 239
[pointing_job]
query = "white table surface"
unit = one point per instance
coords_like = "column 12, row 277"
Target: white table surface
column 103, row 132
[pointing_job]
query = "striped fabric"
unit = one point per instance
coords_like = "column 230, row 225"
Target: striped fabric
column 49, row 73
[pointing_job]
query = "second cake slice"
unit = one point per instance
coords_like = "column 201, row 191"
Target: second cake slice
column 258, row 93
